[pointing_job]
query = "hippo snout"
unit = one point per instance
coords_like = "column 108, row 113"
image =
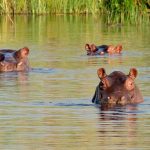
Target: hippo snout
column 119, row 99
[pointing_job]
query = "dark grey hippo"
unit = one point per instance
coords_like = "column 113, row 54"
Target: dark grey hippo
column 117, row 88
column 14, row 60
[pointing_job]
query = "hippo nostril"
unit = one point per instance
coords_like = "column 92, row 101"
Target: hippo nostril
column 109, row 98
column 122, row 101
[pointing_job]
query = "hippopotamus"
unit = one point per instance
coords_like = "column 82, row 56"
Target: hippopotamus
column 14, row 60
column 117, row 89
column 102, row 49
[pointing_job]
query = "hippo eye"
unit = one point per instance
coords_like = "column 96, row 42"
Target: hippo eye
column 121, row 80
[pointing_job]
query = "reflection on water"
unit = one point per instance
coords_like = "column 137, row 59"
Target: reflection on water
column 50, row 107
column 123, row 127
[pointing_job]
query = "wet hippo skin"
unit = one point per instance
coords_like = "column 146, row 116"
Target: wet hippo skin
column 14, row 60
column 117, row 88
column 102, row 49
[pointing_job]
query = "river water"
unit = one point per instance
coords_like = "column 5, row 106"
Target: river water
column 50, row 107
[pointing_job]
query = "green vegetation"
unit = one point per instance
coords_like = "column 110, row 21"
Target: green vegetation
column 116, row 10
column 127, row 10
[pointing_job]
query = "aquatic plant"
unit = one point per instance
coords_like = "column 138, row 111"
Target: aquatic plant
column 121, row 10
column 116, row 10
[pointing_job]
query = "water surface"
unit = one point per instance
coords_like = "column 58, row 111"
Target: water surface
column 50, row 107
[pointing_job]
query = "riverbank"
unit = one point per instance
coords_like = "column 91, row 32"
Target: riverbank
column 117, row 11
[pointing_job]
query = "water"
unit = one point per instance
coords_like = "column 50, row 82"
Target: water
column 50, row 107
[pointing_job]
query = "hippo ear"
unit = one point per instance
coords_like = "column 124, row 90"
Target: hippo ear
column 133, row 73
column 22, row 53
column 101, row 73
column 87, row 47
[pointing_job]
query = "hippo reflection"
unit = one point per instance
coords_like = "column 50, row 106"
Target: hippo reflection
column 14, row 60
column 117, row 88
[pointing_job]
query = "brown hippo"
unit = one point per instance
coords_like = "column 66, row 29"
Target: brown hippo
column 117, row 89
column 14, row 60
column 102, row 49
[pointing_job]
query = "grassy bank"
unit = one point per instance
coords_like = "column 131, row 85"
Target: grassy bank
column 123, row 9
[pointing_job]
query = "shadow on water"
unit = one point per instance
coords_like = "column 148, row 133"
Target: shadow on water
column 64, row 104
column 43, row 70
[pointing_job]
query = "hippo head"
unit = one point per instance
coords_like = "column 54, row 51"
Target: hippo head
column 118, row 48
column 114, row 49
column 12, row 60
column 117, row 88
column 90, row 49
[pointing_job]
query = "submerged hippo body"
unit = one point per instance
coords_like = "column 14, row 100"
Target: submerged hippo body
column 14, row 60
column 102, row 49
column 117, row 89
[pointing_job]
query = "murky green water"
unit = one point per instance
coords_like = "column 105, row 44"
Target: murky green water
column 50, row 108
